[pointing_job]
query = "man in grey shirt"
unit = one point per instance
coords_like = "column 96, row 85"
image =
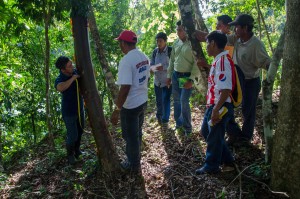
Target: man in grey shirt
column 251, row 56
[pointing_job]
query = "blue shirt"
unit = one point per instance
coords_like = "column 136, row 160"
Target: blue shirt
column 160, row 77
column 69, row 103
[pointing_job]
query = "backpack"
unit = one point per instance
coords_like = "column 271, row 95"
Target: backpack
column 237, row 93
column 155, row 51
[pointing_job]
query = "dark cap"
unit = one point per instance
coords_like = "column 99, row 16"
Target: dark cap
column 243, row 19
column 127, row 35
column 225, row 19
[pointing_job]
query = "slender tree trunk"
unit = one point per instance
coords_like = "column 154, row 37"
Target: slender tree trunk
column 286, row 149
column 187, row 21
column 106, row 151
column 47, row 74
column 267, row 97
column 1, row 167
column 101, row 55
column 198, row 16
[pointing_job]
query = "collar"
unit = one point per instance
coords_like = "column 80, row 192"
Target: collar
column 225, row 52
column 246, row 42
column 164, row 50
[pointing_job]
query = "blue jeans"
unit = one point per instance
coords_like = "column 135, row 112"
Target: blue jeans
column 217, row 151
column 131, row 122
column 181, row 96
column 163, row 96
column 74, row 130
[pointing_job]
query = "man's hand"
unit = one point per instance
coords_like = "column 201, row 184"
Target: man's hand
column 200, row 36
column 168, row 82
column 201, row 63
column 215, row 116
column 188, row 84
column 115, row 117
column 75, row 76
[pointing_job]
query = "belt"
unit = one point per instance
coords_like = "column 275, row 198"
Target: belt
column 185, row 73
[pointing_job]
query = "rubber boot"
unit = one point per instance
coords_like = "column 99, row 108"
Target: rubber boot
column 70, row 154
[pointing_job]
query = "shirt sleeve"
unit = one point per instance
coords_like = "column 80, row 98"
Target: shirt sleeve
column 57, row 81
column 124, row 73
column 171, row 62
column 262, row 58
column 231, row 39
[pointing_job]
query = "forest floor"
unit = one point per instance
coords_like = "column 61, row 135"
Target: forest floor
column 169, row 161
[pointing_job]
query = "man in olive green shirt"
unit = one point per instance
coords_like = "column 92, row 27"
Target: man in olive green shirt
column 181, row 72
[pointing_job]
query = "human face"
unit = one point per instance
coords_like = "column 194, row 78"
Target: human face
column 161, row 43
column 181, row 33
column 69, row 68
column 240, row 31
column 121, row 45
column 210, row 47
column 222, row 27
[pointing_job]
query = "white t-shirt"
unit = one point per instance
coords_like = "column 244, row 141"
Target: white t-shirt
column 220, row 77
column 134, row 70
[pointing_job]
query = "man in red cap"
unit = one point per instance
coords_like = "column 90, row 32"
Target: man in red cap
column 133, row 75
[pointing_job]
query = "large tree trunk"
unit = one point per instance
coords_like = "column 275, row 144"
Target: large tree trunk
column 185, row 9
column 106, row 151
column 101, row 55
column 267, row 97
column 47, row 74
column 286, row 153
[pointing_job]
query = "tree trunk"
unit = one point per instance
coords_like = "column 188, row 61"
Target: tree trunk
column 106, row 151
column 286, row 150
column 101, row 55
column 267, row 97
column 198, row 16
column 47, row 74
column 1, row 167
column 187, row 21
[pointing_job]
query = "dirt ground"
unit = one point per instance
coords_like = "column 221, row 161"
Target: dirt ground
column 169, row 161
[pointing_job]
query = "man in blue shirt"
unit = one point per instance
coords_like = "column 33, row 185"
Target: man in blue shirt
column 71, row 106
column 159, row 64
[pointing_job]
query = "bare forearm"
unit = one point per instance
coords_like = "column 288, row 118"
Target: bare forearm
column 224, row 95
column 61, row 87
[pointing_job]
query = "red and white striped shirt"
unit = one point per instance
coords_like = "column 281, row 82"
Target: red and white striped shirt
column 220, row 77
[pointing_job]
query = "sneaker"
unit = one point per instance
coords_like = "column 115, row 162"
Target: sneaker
column 204, row 170
column 165, row 126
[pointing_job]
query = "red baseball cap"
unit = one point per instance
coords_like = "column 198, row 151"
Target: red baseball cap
column 127, row 35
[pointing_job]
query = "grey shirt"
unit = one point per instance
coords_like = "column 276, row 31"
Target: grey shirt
column 160, row 77
column 250, row 56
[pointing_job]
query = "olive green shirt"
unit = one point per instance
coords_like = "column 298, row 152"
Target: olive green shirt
column 182, row 60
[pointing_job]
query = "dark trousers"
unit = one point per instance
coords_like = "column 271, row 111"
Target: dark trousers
column 74, row 129
column 217, row 151
column 131, row 122
column 251, row 91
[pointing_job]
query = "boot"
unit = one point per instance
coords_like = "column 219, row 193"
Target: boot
column 70, row 154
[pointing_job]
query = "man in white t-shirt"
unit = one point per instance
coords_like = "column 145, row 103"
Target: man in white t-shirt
column 133, row 75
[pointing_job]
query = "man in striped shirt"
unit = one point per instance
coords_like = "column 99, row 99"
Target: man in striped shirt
column 221, row 82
